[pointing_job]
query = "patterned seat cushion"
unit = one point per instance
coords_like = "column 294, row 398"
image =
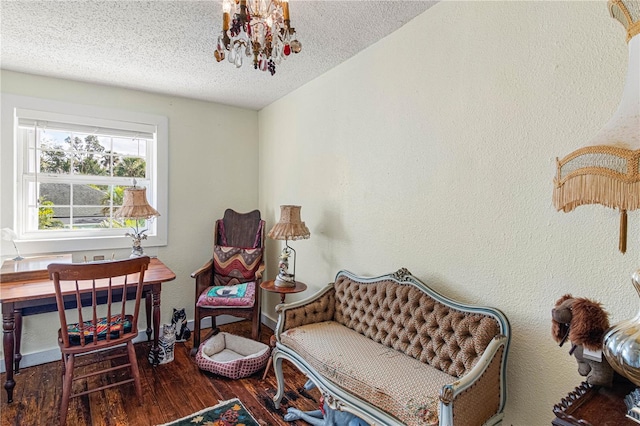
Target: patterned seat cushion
column 397, row 383
column 116, row 324
column 238, row 295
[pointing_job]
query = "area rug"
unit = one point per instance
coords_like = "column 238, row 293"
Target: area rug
column 226, row 413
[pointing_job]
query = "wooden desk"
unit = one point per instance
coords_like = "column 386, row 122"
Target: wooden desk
column 18, row 296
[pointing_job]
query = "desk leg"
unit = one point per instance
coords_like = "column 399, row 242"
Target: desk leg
column 8, row 345
column 17, row 335
column 147, row 302
column 156, row 322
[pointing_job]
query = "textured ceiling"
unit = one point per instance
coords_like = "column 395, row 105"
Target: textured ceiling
column 167, row 46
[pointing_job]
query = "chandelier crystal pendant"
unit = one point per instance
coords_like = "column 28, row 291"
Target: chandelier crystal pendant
column 256, row 28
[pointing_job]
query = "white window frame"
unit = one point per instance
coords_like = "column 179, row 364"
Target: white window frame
column 12, row 186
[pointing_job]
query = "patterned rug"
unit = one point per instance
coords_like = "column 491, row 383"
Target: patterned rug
column 226, row 413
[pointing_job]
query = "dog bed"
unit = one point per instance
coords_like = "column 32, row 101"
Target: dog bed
column 232, row 356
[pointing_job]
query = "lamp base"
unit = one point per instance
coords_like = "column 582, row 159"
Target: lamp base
column 137, row 237
column 285, row 280
column 136, row 252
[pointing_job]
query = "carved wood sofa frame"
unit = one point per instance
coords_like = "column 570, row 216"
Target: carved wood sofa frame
column 477, row 391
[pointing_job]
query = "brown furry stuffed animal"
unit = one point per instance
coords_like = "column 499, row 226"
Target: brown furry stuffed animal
column 584, row 322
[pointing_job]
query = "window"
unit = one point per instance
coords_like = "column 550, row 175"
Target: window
column 71, row 165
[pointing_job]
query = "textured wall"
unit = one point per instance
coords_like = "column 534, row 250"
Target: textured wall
column 209, row 145
column 435, row 149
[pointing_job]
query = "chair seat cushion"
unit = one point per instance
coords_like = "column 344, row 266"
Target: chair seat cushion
column 237, row 296
column 232, row 356
column 116, row 324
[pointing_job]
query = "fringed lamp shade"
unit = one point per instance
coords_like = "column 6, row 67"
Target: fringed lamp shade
column 607, row 171
column 135, row 205
column 290, row 226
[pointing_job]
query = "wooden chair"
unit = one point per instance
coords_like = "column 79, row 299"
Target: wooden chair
column 90, row 284
column 229, row 283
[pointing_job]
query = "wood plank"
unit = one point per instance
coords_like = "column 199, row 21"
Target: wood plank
column 170, row 391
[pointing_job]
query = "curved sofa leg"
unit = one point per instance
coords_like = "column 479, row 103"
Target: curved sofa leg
column 277, row 367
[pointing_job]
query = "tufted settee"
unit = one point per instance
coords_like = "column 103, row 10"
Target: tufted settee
column 393, row 351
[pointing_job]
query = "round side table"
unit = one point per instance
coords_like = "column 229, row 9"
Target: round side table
column 272, row 287
column 283, row 291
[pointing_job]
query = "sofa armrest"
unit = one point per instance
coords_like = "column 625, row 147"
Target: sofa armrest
column 473, row 399
column 203, row 277
column 317, row 308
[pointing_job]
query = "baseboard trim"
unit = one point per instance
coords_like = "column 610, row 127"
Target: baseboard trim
column 51, row 355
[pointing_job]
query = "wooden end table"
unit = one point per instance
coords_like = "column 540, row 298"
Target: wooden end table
column 272, row 287
column 283, row 291
column 590, row 405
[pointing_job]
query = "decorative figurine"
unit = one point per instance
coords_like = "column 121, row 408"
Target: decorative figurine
column 284, row 278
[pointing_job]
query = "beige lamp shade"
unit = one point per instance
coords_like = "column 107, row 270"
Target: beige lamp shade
column 290, row 226
column 135, row 205
column 607, row 170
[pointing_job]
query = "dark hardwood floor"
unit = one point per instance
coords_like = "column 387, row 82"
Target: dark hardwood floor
column 170, row 391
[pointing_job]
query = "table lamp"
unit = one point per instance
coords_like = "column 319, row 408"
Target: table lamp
column 9, row 234
column 136, row 207
column 290, row 227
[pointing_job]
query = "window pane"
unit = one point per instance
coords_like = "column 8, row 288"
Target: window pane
column 91, row 143
column 90, row 195
column 130, row 167
column 53, row 138
column 47, row 217
column 55, row 161
column 87, row 217
column 91, row 164
column 129, row 146
column 57, row 193
column 108, row 204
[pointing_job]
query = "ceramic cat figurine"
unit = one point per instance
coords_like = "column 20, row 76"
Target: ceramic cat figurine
column 179, row 321
column 166, row 342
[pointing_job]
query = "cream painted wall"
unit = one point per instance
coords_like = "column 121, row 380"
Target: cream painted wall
column 208, row 145
column 435, row 150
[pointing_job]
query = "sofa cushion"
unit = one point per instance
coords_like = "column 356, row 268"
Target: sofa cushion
column 405, row 318
column 391, row 380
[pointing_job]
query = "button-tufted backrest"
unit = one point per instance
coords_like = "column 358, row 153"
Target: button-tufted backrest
column 405, row 318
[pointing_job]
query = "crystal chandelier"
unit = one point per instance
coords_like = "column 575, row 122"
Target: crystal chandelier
column 256, row 28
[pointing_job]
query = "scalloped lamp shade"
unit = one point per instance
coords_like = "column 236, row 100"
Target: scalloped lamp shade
column 607, row 170
column 290, row 226
column 135, row 205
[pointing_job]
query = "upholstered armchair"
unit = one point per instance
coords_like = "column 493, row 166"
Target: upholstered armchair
column 229, row 283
